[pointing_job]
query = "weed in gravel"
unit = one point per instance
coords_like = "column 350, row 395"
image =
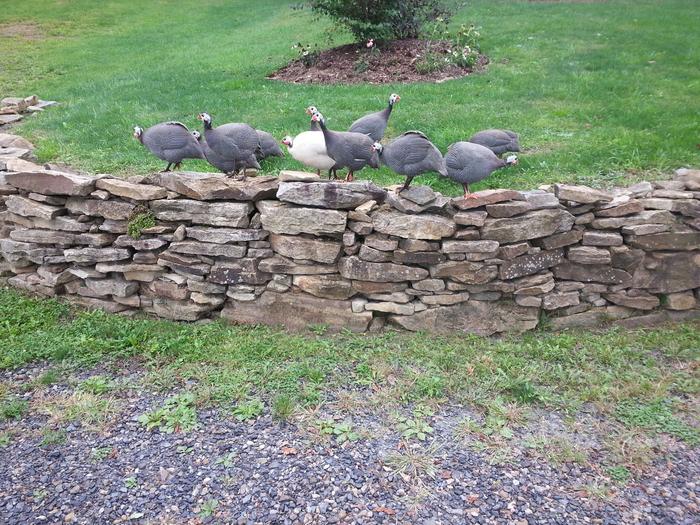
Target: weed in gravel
column 100, row 453
column 342, row 430
column 248, row 409
column 97, row 385
column 131, row 482
column 39, row 495
column 12, row 408
column 53, row 437
column 49, row 377
column 414, row 427
column 227, row 461
column 413, row 462
column 658, row 417
column 630, row 448
column 5, row 439
column 208, row 508
column 184, row 450
column 619, row 474
column 557, row 450
column 178, row 414
column 282, row 407
column 91, row 410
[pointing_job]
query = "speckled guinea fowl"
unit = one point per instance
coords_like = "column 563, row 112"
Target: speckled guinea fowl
column 468, row 163
column 499, row 141
column 221, row 164
column 169, row 141
column 374, row 124
column 349, row 150
column 235, row 142
column 410, row 155
column 268, row 146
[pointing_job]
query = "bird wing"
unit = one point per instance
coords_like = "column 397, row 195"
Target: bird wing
column 373, row 125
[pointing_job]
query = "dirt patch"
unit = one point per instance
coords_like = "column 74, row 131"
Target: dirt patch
column 396, row 62
column 28, row 31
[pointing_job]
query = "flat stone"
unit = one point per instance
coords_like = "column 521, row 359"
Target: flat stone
column 95, row 255
column 114, row 226
column 229, row 214
column 360, row 228
column 49, row 182
column 482, row 198
column 169, row 289
column 358, row 216
column 644, row 217
column 296, row 311
column 467, row 234
column 393, row 297
column 530, row 264
column 425, row 226
column 114, row 286
column 246, row 271
column 397, row 201
column 671, row 194
column 419, row 258
column 511, row 251
column 668, row 272
column 43, row 237
column 465, row 272
column 92, row 303
column 139, row 192
column 215, row 186
column 370, row 254
column 29, row 208
column 591, row 273
column 645, row 229
column 303, row 248
column 558, row 300
column 334, row 195
column 581, row 194
column 9, row 118
column 470, row 218
column 326, row 286
column 508, row 209
column 370, row 288
column 124, row 241
column 357, row 269
column 445, row 299
column 298, row 176
column 541, row 223
column 636, row 299
column 180, row 310
column 666, row 241
column 8, row 140
column 429, row 285
column 470, row 246
column 540, row 200
column 367, row 207
column 628, row 207
column 680, row 301
column 279, row 217
column 279, row 264
column 528, row 300
column 415, row 245
column 593, row 238
column 690, row 178
column 477, row 317
column 183, row 264
column 224, row 235
column 211, row 301
column 421, row 195
column 561, row 239
column 208, row 249
column 534, row 284
column 589, row 255
column 391, row 308
column 626, row 258
column 114, row 210
column 586, row 218
column 381, row 243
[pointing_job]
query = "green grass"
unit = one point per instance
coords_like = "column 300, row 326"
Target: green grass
column 232, row 365
column 601, row 92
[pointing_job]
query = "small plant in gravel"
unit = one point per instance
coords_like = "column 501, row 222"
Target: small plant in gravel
column 282, row 407
column 342, row 431
column 414, row 428
column 227, row 461
column 139, row 222
column 97, row 385
column 184, row 450
column 5, row 439
column 619, row 474
column 178, row 414
column 131, row 482
column 208, row 508
column 12, row 408
column 100, row 453
column 413, row 462
column 49, row 377
column 658, row 417
column 52, row 437
column 249, row 409
column 39, row 495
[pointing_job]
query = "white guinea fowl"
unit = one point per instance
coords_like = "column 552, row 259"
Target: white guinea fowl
column 309, row 148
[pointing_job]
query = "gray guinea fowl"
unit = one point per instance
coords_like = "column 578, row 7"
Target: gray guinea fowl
column 374, row 124
column 169, row 141
column 268, row 146
column 468, row 163
column 221, row 164
column 235, row 142
column 410, row 155
column 499, row 141
column 349, row 150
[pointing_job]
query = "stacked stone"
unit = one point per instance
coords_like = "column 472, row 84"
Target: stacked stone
column 297, row 251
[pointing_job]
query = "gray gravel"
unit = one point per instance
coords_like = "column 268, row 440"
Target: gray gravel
column 267, row 472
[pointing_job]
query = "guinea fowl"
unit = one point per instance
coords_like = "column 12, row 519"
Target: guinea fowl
column 468, row 163
column 237, row 143
column 309, row 148
column 348, row 149
column 374, row 124
column 497, row 140
column 314, row 125
column 221, row 164
column 268, row 146
column 169, row 141
column 411, row 154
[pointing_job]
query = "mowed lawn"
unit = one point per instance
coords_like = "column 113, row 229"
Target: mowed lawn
column 601, row 92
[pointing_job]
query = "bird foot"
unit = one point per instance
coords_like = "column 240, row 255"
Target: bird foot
column 470, row 196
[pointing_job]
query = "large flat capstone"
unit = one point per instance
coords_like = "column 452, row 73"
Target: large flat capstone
column 335, row 195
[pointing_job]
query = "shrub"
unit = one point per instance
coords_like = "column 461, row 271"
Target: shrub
column 382, row 19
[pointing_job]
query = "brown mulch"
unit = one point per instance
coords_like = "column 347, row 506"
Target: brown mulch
column 396, row 62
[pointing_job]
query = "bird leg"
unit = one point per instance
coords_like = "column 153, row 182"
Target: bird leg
column 349, row 177
column 406, row 184
column 177, row 166
column 167, row 168
column 318, row 173
column 468, row 195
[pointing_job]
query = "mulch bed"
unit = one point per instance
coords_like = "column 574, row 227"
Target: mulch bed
column 396, row 62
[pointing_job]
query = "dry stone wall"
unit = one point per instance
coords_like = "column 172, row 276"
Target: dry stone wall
column 295, row 250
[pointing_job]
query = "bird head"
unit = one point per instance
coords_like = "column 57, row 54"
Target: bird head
column 377, row 147
column 138, row 131
column 394, row 98
column 197, row 135
column 204, row 117
column 311, row 110
column 317, row 117
column 288, row 141
column 511, row 160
